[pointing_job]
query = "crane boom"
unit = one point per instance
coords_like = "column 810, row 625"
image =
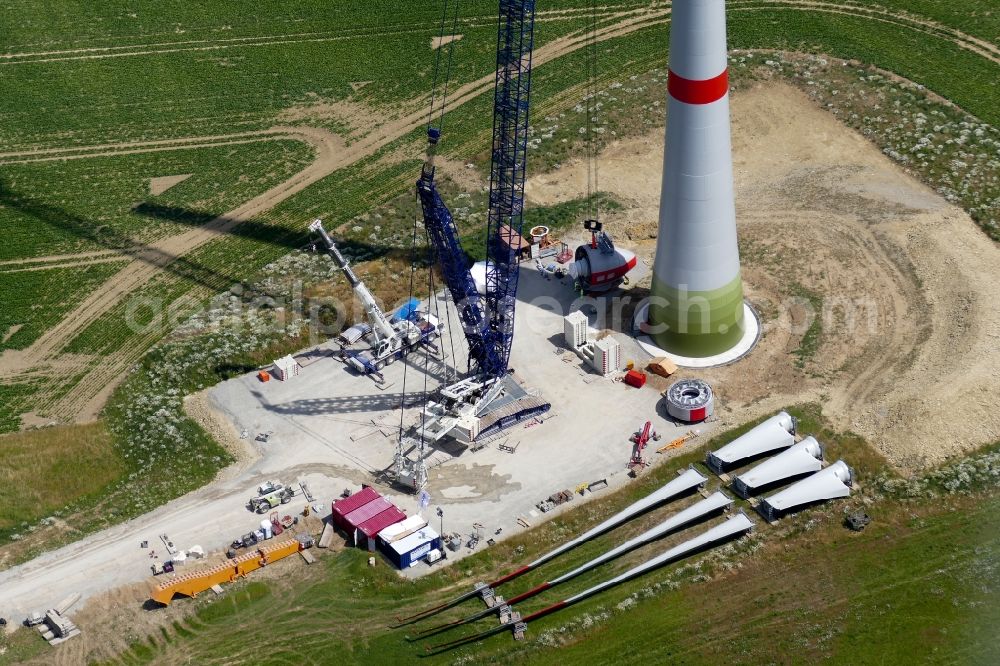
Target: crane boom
column 380, row 323
column 444, row 239
column 515, row 37
column 488, row 322
column 496, row 399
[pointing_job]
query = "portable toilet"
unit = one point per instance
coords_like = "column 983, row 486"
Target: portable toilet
column 265, row 527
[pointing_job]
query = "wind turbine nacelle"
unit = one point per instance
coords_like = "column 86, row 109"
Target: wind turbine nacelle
column 598, row 271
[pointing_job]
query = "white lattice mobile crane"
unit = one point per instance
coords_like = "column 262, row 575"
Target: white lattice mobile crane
column 394, row 338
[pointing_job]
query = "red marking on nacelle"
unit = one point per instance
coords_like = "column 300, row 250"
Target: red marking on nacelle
column 601, row 277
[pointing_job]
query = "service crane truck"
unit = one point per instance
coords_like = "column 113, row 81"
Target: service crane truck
column 393, row 338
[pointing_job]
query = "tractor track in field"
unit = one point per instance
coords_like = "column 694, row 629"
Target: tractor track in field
column 69, row 263
column 56, row 259
column 83, row 401
column 149, row 262
column 908, row 20
column 160, row 48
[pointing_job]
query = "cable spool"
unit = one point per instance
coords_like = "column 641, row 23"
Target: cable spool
column 690, row 400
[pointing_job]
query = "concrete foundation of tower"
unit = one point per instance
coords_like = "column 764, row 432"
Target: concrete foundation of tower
column 750, row 332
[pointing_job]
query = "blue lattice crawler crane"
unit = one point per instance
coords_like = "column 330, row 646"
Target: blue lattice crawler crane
column 489, row 400
column 393, row 338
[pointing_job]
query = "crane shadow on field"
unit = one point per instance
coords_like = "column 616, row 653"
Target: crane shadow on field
column 273, row 235
column 108, row 238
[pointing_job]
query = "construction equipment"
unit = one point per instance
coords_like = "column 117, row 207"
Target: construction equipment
column 264, row 503
column 489, row 400
column 565, row 254
column 639, row 440
column 857, row 521
column 276, row 527
column 269, row 487
column 599, row 265
column 600, row 484
column 676, row 443
column 394, row 338
column 475, row 537
column 193, row 583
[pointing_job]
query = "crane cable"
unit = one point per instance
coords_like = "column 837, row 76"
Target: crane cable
column 437, row 63
column 430, row 121
column 593, row 203
column 413, row 270
column 427, row 353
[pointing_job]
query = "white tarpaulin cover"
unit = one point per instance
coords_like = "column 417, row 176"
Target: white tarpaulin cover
column 286, row 367
column 802, row 458
column 402, row 529
column 415, row 540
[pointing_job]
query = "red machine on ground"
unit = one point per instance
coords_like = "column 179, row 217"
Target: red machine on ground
column 639, row 441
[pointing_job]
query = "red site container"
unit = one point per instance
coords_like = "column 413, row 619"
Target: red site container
column 634, row 378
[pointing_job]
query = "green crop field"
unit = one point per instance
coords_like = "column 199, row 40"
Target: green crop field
column 102, row 97
column 35, row 299
column 104, row 203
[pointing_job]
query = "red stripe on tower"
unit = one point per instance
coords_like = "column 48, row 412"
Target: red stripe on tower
column 698, row 92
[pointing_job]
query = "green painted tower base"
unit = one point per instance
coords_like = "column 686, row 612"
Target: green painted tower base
column 696, row 323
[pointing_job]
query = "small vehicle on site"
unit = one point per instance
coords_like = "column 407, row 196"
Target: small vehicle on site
column 265, row 503
column 269, row 487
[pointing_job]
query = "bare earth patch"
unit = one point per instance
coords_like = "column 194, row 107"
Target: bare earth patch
column 11, row 332
column 909, row 285
column 161, row 184
column 438, row 42
column 357, row 116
